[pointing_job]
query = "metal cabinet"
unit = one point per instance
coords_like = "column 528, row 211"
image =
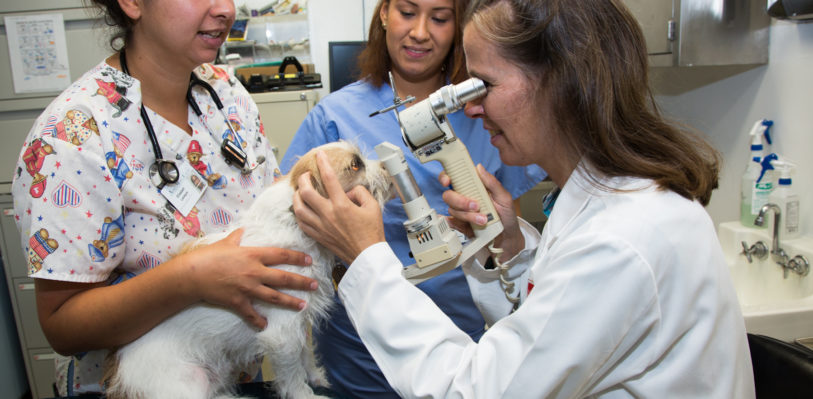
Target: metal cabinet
column 37, row 354
column 281, row 113
column 35, row 5
column 86, row 44
column 41, row 363
column 702, row 32
column 657, row 22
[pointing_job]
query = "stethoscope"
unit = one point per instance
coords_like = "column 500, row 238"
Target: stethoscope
column 166, row 169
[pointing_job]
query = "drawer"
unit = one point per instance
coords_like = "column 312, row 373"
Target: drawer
column 43, row 371
column 27, row 309
column 17, row 265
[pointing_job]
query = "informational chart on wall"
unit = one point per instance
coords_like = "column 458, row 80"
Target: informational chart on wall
column 38, row 52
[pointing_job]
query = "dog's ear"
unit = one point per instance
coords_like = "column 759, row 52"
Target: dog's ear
column 307, row 163
column 316, row 182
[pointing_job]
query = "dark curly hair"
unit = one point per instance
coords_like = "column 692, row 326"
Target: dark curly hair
column 115, row 18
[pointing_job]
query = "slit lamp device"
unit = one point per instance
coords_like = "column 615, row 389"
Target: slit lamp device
column 435, row 245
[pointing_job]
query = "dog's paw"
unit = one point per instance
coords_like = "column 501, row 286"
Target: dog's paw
column 318, row 378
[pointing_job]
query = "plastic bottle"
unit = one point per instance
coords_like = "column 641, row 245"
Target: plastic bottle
column 785, row 196
column 749, row 190
column 763, row 186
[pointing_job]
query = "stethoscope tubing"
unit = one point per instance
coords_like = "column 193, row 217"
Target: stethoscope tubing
column 166, row 169
column 196, row 81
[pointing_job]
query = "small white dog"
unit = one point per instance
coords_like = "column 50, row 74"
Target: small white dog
column 197, row 352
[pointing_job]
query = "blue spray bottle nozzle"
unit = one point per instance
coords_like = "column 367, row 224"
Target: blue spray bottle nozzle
column 767, row 131
column 766, row 164
column 760, row 129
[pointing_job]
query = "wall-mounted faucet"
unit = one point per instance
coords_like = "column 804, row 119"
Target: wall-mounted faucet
column 799, row 263
column 758, row 250
column 777, row 253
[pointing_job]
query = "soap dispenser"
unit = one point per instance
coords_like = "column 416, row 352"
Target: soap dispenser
column 785, row 196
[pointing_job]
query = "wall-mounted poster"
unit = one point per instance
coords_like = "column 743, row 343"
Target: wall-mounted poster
column 38, row 53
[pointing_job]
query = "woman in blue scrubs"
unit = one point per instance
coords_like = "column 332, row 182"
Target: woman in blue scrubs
column 419, row 41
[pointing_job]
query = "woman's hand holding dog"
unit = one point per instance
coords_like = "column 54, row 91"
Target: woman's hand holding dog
column 226, row 274
column 465, row 212
column 345, row 223
column 222, row 273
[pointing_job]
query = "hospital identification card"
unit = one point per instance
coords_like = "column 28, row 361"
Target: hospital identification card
column 184, row 194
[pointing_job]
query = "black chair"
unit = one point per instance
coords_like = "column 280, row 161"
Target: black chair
column 781, row 369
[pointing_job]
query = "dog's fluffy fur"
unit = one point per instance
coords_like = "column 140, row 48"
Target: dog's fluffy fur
column 196, row 353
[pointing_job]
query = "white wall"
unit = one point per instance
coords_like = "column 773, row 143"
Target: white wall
column 335, row 20
column 724, row 102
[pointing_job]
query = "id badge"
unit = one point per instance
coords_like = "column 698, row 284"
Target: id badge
column 184, row 194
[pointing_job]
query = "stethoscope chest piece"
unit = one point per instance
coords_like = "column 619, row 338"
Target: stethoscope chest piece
column 163, row 172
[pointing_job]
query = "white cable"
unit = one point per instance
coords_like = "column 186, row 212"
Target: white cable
column 507, row 286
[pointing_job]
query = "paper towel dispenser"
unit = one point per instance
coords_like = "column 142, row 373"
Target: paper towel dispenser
column 791, row 9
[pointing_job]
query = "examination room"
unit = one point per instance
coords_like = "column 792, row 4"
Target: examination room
column 406, row 199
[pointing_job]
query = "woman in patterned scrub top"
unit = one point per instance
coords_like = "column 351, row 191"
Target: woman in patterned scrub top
column 100, row 235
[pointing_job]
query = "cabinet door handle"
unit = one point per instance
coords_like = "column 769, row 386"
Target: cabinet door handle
column 45, row 356
column 25, row 287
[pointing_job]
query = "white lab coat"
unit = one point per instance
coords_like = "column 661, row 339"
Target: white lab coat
column 631, row 298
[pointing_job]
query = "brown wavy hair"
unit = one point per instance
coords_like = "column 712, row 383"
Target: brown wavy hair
column 589, row 57
column 374, row 60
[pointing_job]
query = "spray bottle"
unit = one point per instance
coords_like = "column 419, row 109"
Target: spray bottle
column 749, row 190
column 785, row 196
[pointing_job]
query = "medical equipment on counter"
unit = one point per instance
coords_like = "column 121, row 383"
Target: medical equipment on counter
column 435, row 246
column 164, row 171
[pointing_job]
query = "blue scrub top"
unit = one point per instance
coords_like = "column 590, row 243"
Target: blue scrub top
column 344, row 115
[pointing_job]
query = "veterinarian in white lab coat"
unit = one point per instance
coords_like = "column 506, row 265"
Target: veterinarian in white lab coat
column 91, row 214
column 624, row 294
